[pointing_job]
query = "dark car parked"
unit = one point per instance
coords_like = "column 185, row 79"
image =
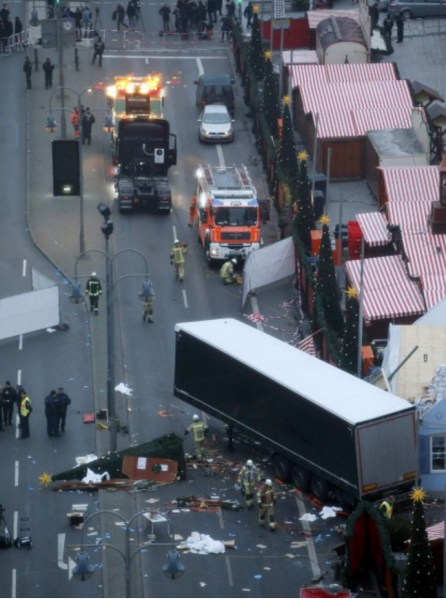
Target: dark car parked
column 412, row 9
column 215, row 89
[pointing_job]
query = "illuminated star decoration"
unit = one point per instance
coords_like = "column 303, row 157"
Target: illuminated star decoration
column 255, row 8
column 324, row 220
column 45, row 479
column 286, row 100
column 268, row 54
column 351, row 293
column 303, row 155
column 418, row 495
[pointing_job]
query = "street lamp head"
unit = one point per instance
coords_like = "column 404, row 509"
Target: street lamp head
column 51, row 124
column 174, row 568
column 107, row 228
column 83, row 570
column 76, row 293
column 104, row 210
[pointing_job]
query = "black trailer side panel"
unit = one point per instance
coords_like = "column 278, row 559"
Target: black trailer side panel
column 239, row 395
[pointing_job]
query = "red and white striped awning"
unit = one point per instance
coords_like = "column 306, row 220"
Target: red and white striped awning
column 435, row 532
column 410, row 216
column 353, row 73
column 411, row 183
column 388, row 292
column 374, row 228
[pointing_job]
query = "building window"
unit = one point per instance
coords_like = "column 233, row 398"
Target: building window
column 438, row 453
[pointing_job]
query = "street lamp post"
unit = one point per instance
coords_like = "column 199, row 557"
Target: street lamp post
column 83, row 570
column 51, row 125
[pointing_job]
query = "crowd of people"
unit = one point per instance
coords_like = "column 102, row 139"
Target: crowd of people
column 8, row 28
column 16, row 398
column 198, row 16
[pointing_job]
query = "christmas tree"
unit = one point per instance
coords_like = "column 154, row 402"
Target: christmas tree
column 419, row 579
column 326, row 290
column 256, row 56
column 287, row 157
column 305, row 215
column 349, row 352
column 271, row 104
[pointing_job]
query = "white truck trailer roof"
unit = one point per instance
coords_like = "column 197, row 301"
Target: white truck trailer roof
column 338, row 392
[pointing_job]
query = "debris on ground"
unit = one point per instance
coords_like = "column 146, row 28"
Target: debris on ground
column 201, row 543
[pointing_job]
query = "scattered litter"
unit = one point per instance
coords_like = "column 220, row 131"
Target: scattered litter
column 91, row 477
column 203, row 584
column 262, row 546
column 120, row 524
column 51, row 330
column 290, row 555
column 246, row 590
column 267, row 568
column 258, row 576
column 295, row 545
column 92, row 533
column 121, row 387
column 329, row 511
column 308, row 517
column 200, row 543
column 153, row 500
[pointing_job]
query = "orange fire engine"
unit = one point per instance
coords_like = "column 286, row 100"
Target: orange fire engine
column 228, row 212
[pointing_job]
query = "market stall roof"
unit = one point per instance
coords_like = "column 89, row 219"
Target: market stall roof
column 374, row 228
column 316, row 16
column 411, row 183
column 388, row 291
column 300, row 57
column 344, row 72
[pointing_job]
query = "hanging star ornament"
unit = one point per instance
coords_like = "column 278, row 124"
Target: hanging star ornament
column 287, row 100
column 268, row 55
column 256, row 9
column 351, row 293
column 418, row 495
column 45, row 479
column 324, row 220
column 303, row 155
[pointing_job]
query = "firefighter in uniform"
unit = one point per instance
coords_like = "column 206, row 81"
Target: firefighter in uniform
column 266, row 499
column 386, row 507
column 147, row 302
column 248, row 478
column 192, row 211
column 177, row 258
column 227, row 271
column 198, row 429
column 75, row 118
column 25, row 410
column 93, row 290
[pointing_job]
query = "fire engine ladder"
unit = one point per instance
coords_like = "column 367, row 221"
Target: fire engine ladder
column 208, row 177
column 243, row 176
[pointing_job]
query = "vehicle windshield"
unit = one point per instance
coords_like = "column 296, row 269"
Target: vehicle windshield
column 216, row 118
column 245, row 217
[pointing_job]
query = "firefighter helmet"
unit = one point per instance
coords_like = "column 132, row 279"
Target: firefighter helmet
column 176, row 242
column 234, row 261
column 93, row 274
column 195, row 418
column 269, row 483
column 249, row 463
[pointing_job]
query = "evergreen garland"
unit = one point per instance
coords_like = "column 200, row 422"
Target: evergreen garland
column 256, row 56
column 349, row 351
column 305, row 216
column 271, row 103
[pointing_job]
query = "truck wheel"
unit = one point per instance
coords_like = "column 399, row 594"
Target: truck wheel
column 320, row 488
column 300, row 478
column 282, row 467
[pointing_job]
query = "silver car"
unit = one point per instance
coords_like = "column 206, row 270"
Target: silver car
column 215, row 124
column 412, row 9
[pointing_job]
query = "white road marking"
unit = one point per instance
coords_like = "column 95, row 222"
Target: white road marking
column 60, row 550
column 16, row 473
column 71, row 565
column 147, row 60
column 185, row 299
column 21, row 341
column 200, row 66
column 14, row 584
column 24, row 268
column 221, row 158
column 174, row 229
column 19, row 377
column 15, row 524
column 310, row 541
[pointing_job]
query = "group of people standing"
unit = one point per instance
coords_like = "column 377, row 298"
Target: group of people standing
column 47, row 68
column 7, row 27
column 56, row 405
column 388, row 23
column 200, row 16
column 86, row 119
column 252, row 484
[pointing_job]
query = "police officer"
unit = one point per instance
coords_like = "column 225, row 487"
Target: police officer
column 51, row 414
column 248, row 478
column 9, row 399
column 177, row 258
column 88, row 121
column 48, row 69
column 93, row 289
column 25, row 412
column 99, row 48
column 63, row 402
column 227, row 271
column 198, row 429
column 28, row 69
column 266, row 499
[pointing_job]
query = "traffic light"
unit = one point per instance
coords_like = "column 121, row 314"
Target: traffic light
column 66, row 168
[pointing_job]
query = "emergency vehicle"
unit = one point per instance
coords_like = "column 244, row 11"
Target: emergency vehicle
column 131, row 97
column 228, row 212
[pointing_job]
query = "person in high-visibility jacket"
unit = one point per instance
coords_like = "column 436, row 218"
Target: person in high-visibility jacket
column 386, row 507
column 248, row 478
column 192, row 211
column 177, row 258
column 227, row 271
column 25, row 409
column 93, row 289
column 75, row 118
column 266, row 499
column 198, row 429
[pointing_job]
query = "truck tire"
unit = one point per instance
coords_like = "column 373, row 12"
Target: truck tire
column 320, row 488
column 282, row 468
column 300, row 478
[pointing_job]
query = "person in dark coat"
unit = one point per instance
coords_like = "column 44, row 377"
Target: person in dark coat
column 18, row 27
column 9, row 399
column 120, row 15
column 247, row 13
column 226, row 27
column 88, row 121
column 51, row 414
column 388, row 25
column 28, row 69
column 399, row 21
column 99, row 48
column 164, row 11
column 48, row 69
column 63, row 402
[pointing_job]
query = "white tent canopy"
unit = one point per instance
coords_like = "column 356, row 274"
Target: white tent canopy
column 269, row 265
